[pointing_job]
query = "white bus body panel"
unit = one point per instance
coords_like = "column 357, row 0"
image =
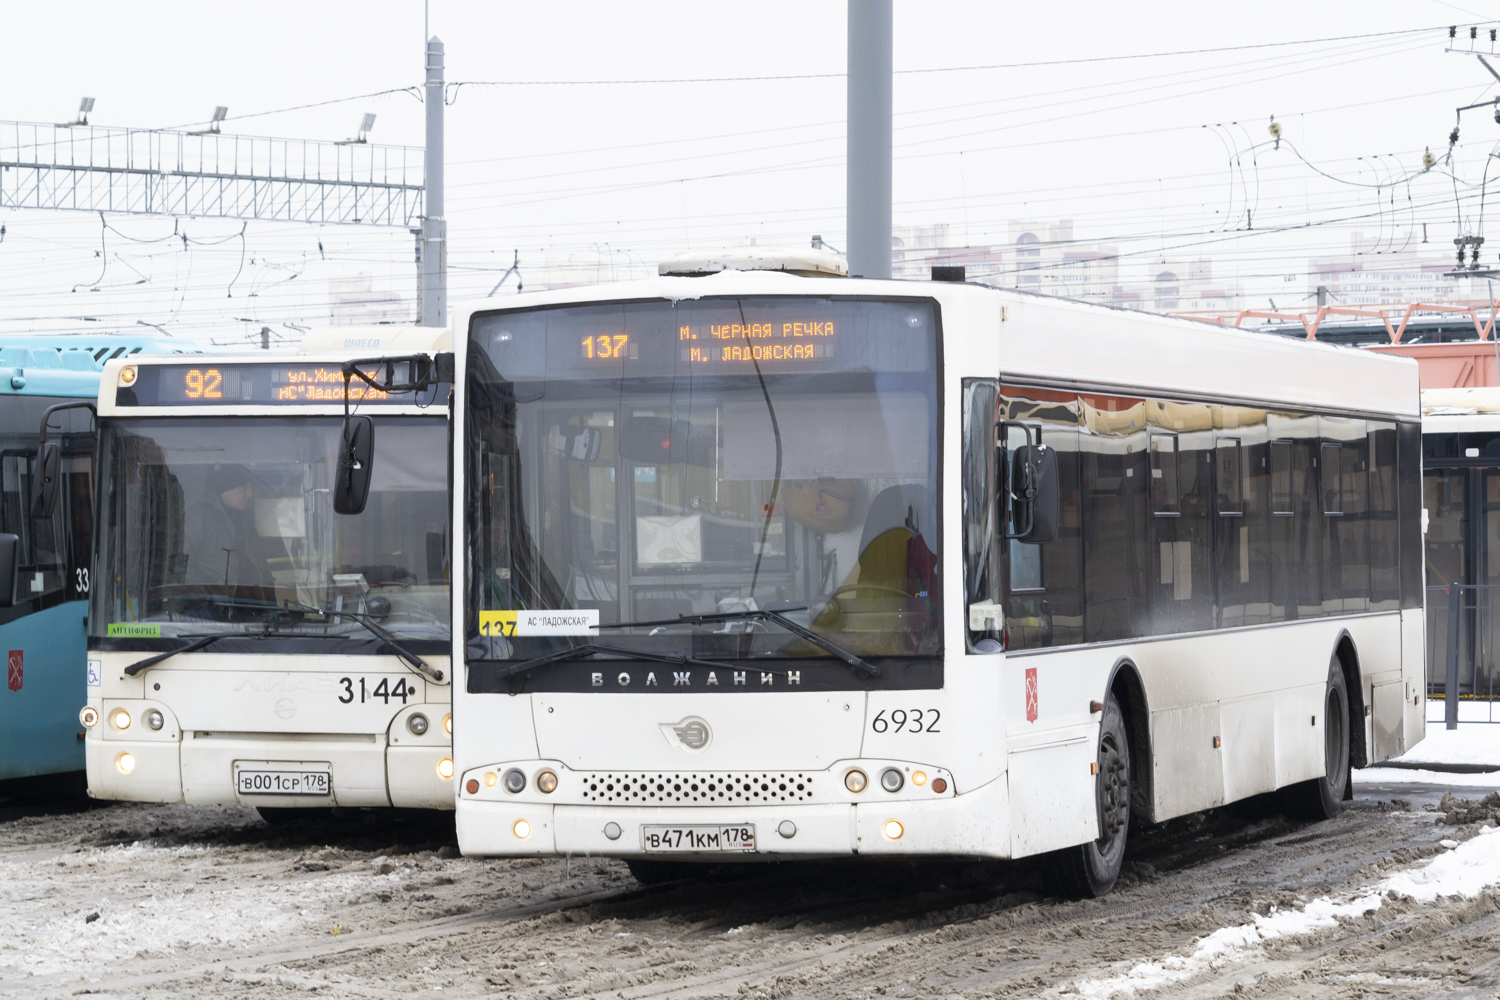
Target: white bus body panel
column 1020, row 787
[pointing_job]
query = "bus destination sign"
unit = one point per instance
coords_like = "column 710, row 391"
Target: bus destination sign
column 239, row 384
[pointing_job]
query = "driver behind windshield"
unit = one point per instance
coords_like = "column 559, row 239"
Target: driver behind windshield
column 223, row 548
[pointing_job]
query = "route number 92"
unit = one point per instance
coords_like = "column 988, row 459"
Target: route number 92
column 384, row 691
column 900, row 720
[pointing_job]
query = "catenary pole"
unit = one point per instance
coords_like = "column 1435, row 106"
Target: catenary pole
column 868, row 194
column 434, row 225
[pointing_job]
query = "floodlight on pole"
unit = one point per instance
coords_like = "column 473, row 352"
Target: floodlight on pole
column 85, row 105
column 220, row 113
column 365, row 125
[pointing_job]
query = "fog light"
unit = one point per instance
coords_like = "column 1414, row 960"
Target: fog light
column 612, row 831
column 521, row 829
column 787, row 829
column 125, row 763
column 515, row 781
column 154, row 719
column 448, row 723
column 417, row 724
column 89, row 716
column 445, row 768
column 119, row 718
column 855, row 781
column 919, row 778
column 546, row 781
column 127, row 375
column 893, row 829
column 471, row 786
column 892, row 780
column 490, row 777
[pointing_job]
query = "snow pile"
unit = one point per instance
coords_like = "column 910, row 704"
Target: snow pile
column 1473, row 742
column 1464, row 871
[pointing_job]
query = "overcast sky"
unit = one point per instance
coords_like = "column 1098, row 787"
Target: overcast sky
column 1135, row 151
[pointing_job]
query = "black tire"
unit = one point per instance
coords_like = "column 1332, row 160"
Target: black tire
column 1090, row 870
column 657, row 872
column 1323, row 798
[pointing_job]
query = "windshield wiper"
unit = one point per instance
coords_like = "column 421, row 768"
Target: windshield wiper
column 412, row 660
column 204, row 640
column 590, row 648
column 856, row 664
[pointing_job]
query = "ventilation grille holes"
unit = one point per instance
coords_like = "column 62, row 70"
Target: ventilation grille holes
column 694, row 788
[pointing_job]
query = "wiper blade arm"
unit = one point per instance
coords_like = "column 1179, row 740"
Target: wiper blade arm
column 204, row 640
column 406, row 656
column 855, row 663
column 590, row 648
column 191, row 647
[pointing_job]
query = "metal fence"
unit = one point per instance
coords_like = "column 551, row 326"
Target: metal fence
column 1463, row 651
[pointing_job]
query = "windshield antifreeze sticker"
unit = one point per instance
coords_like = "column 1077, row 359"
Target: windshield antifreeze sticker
column 132, row 630
column 523, row 623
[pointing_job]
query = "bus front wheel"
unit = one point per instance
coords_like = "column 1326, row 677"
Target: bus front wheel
column 1090, row 870
column 1322, row 797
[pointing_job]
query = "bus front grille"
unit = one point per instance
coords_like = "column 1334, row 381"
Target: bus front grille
column 695, row 788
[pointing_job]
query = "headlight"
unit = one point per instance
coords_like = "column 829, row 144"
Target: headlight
column 417, row 724
column 546, row 781
column 515, row 781
column 89, row 717
column 892, row 780
column 154, row 719
column 448, row 723
column 855, row 781
column 125, row 763
column 445, row 768
column 119, row 718
column 490, row 777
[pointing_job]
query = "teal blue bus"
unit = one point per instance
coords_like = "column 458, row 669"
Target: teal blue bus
column 43, row 621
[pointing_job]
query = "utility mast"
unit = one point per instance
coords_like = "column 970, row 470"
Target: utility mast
column 868, row 191
column 433, row 241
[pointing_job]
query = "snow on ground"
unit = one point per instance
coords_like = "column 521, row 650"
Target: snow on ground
column 1475, row 741
column 1465, row 870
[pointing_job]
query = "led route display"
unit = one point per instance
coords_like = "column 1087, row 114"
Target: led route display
column 208, row 384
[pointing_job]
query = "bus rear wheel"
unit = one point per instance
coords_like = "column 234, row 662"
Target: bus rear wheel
column 1090, row 870
column 1323, row 797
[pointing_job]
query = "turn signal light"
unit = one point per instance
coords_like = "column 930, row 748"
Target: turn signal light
column 89, row 716
column 521, row 829
column 125, row 763
column 856, row 781
column 127, row 375
column 893, row 829
column 445, row 768
column 471, row 786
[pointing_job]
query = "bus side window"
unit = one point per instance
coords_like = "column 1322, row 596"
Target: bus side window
column 1166, row 501
column 1281, row 478
column 1330, row 465
column 981, row 507
column 1229, row 477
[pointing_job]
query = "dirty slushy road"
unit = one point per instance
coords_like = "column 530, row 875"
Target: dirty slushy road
column 155, row 901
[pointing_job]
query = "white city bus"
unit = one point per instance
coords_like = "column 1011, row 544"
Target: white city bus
column 786, row 565
column 269, row 615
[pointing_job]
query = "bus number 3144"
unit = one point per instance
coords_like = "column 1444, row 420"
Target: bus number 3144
column 385, row 690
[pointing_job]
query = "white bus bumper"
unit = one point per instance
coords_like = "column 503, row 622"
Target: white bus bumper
column 973, row 823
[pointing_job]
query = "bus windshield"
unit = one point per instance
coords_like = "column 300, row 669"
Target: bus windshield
column 227, row 524
column 639, row 462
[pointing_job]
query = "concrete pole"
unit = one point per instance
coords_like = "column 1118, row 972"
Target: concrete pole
column 434, row 238
column 868, row 194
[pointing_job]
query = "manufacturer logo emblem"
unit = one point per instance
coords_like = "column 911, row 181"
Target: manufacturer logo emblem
column 16, row 674
column 1031, row 699
column 691, row 734
column 286, row 708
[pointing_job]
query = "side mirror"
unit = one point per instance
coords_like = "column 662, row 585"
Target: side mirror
column 44, row 483
column 351, row 486
column 10, row 569
column 1031, row 497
